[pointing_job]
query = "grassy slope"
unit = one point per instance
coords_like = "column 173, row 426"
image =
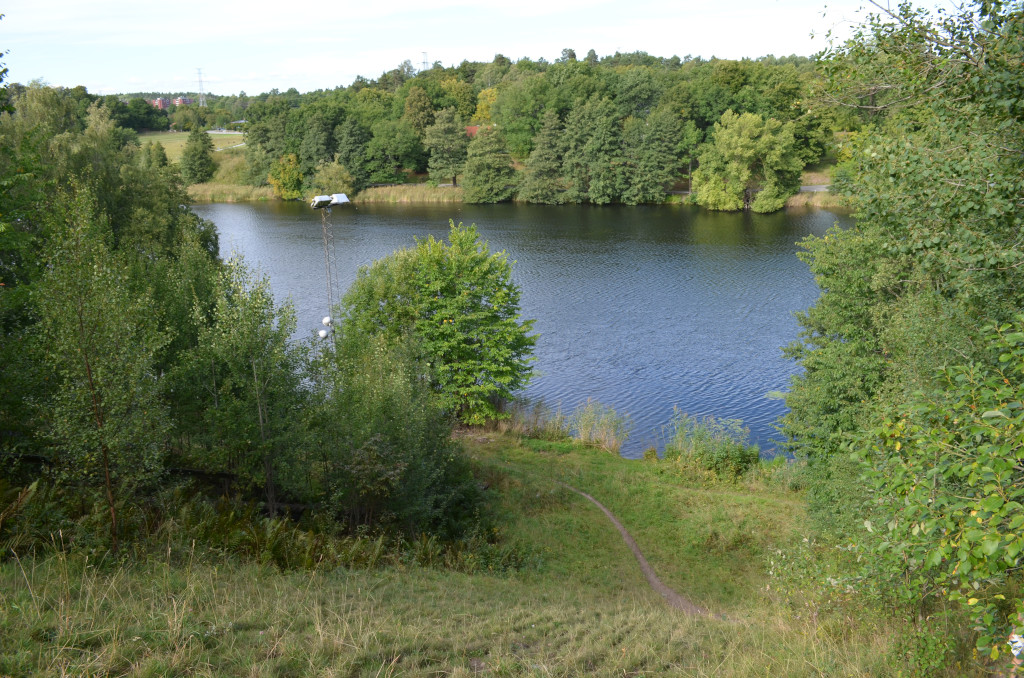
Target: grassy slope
column 585, row 610
column 174, row 142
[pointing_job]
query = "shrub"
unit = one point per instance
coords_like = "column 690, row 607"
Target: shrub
column 383, row 454
column 718, row 445
column 457, row 301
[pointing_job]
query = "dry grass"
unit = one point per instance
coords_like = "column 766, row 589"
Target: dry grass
column 816, row 199
column 214, row 191
column 585, row 610
column 411, row 193
column 816, row 177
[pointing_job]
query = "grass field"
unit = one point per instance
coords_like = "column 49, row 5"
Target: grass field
column 582, row 609
column 174, row 142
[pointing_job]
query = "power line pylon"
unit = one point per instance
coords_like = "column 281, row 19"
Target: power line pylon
column 202, row 95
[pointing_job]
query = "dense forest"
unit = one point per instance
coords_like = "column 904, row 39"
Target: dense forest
column 620, row 129
column 147, row 383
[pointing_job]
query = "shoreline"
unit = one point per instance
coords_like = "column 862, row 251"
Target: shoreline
column 215, row 192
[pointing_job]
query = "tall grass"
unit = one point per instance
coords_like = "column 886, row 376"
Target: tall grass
column 586, row 610
column 534, row 419
column 228, row 184
column 412, row 193
column 817, row 199
column 717, row 445
column 213, row 191
column 600, row 426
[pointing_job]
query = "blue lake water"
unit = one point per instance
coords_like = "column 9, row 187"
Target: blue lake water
column 644, row 309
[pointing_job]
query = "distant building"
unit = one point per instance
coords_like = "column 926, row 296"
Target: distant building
column 471, row 130
column 182, row 101
column 160, row 103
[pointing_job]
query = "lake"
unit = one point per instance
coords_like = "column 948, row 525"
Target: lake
column 643, row 309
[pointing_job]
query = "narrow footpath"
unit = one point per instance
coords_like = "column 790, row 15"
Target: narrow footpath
column 671, row 597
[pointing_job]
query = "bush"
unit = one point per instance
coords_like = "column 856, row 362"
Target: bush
column 383, row 454
column 718, row 445
column 458, row 303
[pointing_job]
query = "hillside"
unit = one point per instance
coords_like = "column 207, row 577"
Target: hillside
column 580, row 605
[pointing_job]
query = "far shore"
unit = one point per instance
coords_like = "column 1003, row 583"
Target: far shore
column 425, row 193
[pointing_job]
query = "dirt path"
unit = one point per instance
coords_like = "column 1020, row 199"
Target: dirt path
column 671, row 597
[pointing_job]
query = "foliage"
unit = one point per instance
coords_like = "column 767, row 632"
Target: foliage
column 384, row 454
column 718, row 445
column 103, row 414
column 650, row 156
column 394, row 146
column 948, row 496
column 244, row 376
column 197, row 157
column 331, row 178
column 286, row 178
column 935, row 175
column 458, row 301
column 599, row 426
column 542, row 178
column 153, row 155
column 489, row 174
column 750, row 163
column 591, row 165
column 447, row 142
column 419, row 112
column 937, row 236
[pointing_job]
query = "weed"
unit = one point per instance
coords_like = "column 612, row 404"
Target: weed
column 710, row 444
column 600, row 426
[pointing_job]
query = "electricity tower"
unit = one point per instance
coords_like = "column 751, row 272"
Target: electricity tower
column 202, row 95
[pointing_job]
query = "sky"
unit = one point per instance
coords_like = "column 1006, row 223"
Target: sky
column 121, row 46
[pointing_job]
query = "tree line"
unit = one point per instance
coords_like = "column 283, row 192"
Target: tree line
column 622, row 129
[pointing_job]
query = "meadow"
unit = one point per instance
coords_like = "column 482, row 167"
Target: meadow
column 174, row 142
column 577, row 605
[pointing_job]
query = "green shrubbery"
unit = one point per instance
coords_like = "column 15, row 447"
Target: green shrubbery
column 139, row 365
column 600, row 426
column 718, row 445
column 456, row 301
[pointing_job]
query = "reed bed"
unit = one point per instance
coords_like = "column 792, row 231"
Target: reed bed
column 215, row 191
column 411, row 193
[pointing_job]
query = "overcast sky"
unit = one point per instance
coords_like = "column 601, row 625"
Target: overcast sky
column 115, row 46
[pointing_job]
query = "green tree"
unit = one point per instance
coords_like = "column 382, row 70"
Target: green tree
column 650, row 156
column 750, row 163
column 419, row 111
column 315, row 147
column 894, row 345
column 153, row 155
column 247, row 375
column 395, row 146
column 446, row 139
column 592, row 161
column 458, row 301
column 331, row 178
column 542, row 178
column 384, row 451
column 100, row 343
column 461, row 95
column 350, row 139
column 490, row 176
column 197, row 157
column 286, row 177
column 948, row 492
